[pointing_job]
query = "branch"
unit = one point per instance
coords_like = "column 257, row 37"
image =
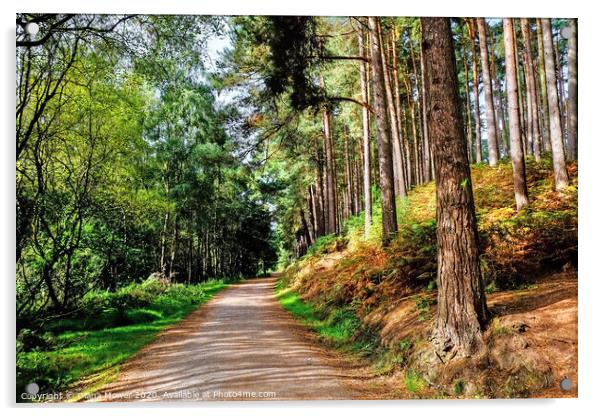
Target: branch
column 41, row 41
column 353, row 100
column 344, row 58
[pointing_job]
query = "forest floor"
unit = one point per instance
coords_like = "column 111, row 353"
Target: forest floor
column 532, row 345
column 241, row 345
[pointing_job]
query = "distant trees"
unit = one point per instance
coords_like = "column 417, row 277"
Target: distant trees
column 123, row 164
column 370, row 101
column 461, row 305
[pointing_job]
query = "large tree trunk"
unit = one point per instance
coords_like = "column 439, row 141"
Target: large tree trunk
column 461, row 306
column 531, row 89
column 475, row 88
column 516, row 148
column 561, row 179
column 493, row 150
column 365, row 139
column 572, row 98
column 385, row 159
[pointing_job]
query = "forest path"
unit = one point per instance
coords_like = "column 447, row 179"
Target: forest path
column 238, row 344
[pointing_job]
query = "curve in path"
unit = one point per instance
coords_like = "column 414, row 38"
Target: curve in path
column 241, row 345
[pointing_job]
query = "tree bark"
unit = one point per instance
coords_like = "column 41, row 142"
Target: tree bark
column 516, row 148
column 572, row 139
column 467, row 100
column 531, row 90
column 395, row 136
column 428, row 165
column 561, row 179
column 544, row 90
column 475, row 88
column 331, row 214
column 385, row 156
column 348, row 198
column 319, row 196
column 366, row 145
column 493, row 150
column 461, row 306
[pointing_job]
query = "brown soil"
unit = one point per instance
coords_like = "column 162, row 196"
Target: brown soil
column 239, row 344
column 531, row 345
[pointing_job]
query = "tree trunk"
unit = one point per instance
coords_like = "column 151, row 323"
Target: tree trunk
column 516, row 148
column 531, row 89
column 397, row 99
column 305, row 228
column 162, row 262
column 174, row 247
column 493, row 150
column 497, row 100
column 560, row 80
column 385, row 158
column 319, row 196
column 561, row 179
column 428, row 165
column 395, row 137
column 331, row 214
column 461, row 306
column 365, row 139
column 544, row 90
column 348, row 198
column 475, row 88
column 572, row 93
column 468, row 112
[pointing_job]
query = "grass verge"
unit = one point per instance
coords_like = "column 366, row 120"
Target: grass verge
column 85, row 352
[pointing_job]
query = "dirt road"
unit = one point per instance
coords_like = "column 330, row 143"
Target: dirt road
column 239, row 346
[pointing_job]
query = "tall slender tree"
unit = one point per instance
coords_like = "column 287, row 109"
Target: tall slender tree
column 543, row 87
column 385, row 155
column 366, row 144
column 516, row 147
column 533, row 112
column 461, row 306
column 395, row 135
column 475, row 88
column 561, row 179
column 572, row 91
column 428, row 164
column 493, row 149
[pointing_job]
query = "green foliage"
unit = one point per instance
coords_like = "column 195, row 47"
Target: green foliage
column 110, row 329
column 414, row 381
column 338, row 326
column 129, row 169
